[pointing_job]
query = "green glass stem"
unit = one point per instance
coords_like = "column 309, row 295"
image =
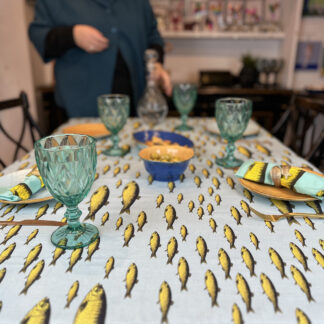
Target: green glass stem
column 72, row 215
column 115, row 141
column 184, row 119
column 230, row 148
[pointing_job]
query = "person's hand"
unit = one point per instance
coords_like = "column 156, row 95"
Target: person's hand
column 162, row 76
column 89, row 39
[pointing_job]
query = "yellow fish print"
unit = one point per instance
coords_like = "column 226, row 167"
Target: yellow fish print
column 243, row 150
column 129, row 196
column 200, row 213
column 247, row 194
column 126, row 167
column 116, row 171
column 165, row 300
column 171, row 186
column 236, row 215
column 137, row 174
column 299, row 255
column 230, row 236
column 172, row 249
column 2, row 274
column 98, row 199
column 209, row 163
column 154, row 243
column 96, row 176
column 245, row 292
column 277, row 261
column 57, row 206
column 31, row 236
column 20, row 207
column 197, row 181
column 23, row 166
column 76, row 255
column 119, row 223
column 220, row 172
column 248, row 260
column 150, row 179
column 131, row 279
column 284, row 207
column 3, row 205
column 262, row 149
column 218, row 199
column 321, row 243
column 319, row 257
column 212, row 224
column 254, row 240
column 58, row 252
column 170, row 216
column 39, row 314
column 205, row 172
column 41, row 211
column 191, row 206
column 301, row 317
column 237, row 315
column 128, row 234
column 136, row 125
column 8, row 210
column 106, row 169
column 315, row 205
column 215, row 182
column 183, row 232
column 141, row 220
column 10, row 219
column 109, row 266
column 183, row 272
column 269, row 225
column 73, row 292
column 92, row 248
column 32, row 256
column 301, row 281
column 270, row 291
column 192, row 168
column 104, row 218
column 34, row 275
column 320, row 193
column 225, row 262
column 119, row 183
column 300, row 237
column 182, row 177
column 159, row 200
column 202, row 249
column 92, row 310
column 210, row 191
column 180, row 198
column 212, row 287
column 246, row 208
column 201, row 199
column 309, row 223
column 11, row 233
column 230, row 182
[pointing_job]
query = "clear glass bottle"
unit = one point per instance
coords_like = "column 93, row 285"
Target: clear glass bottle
column 152, row 107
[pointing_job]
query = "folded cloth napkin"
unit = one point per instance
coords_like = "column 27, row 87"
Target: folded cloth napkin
column 297, row 179
column 22, row 191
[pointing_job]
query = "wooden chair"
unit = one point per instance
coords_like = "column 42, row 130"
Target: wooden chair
column 28, row 122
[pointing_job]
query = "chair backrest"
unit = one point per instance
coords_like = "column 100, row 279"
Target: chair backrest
column 28, row 122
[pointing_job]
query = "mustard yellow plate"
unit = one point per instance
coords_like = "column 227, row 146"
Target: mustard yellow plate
column 96, row 130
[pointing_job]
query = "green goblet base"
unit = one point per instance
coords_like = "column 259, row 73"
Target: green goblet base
column 69, row 238
column 116, row 151
column 229, row 163
column 183, row 128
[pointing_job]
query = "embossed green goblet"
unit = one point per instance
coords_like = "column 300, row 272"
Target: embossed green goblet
column 184, row 98
column 67, row 165
column 232, row 117
column 114, row 111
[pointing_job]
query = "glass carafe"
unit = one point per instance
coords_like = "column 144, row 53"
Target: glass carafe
column 152, row 107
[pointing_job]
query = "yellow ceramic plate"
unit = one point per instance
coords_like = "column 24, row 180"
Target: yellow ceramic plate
column 273, row 192
column 96, row 130
column 10, row 180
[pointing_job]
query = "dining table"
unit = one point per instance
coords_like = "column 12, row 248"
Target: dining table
column 188, row 251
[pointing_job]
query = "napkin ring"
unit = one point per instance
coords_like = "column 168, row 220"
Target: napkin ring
column 277, row 173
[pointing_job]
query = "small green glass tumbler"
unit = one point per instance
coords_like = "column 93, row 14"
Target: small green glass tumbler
column 67, row 165
column 114, row 110
column 232, row 117
column 184, row 98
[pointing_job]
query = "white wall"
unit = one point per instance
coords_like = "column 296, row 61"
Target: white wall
column 15, row 69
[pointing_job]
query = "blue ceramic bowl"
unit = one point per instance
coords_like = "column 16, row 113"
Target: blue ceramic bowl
column 166, row 171
column 145, row 136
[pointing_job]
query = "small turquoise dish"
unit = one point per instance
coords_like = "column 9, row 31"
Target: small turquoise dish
column 166, row 171
column 144, row 136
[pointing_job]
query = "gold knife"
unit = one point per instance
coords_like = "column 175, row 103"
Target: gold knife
column 33, row 222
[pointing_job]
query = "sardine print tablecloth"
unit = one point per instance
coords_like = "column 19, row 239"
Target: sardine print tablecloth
column 187, row 252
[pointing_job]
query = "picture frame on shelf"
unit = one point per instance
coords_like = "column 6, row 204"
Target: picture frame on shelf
column 313, row 8
column 308, row 55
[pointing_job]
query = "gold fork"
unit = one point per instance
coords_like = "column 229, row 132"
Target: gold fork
column 275, row 218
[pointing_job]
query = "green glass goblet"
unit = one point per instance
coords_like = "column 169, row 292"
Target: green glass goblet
column 114, row 111
column 67, row 165
column 184, row 98
column 232, row 117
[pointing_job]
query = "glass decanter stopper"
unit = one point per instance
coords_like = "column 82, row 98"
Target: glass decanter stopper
column 152, row 107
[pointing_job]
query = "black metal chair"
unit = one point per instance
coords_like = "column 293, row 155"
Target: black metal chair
column 28, row 122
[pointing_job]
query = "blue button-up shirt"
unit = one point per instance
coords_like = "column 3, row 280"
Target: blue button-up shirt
column 81, row 77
